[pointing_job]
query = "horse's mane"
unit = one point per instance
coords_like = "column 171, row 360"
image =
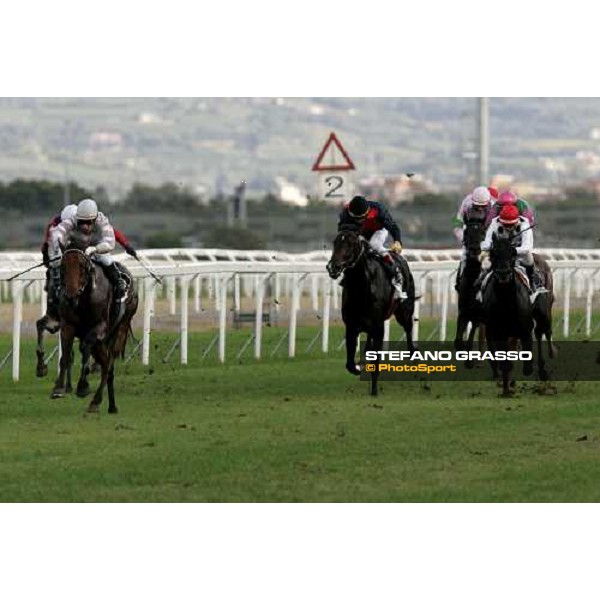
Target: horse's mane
column 349, row 228
column 78, row 241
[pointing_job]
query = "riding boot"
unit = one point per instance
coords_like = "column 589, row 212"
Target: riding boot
column 396, row 276
column 112, row 272
column 478, row 285
column 54, row 282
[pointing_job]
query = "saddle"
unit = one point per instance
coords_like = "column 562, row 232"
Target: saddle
column 521, row 275
column 519, row 272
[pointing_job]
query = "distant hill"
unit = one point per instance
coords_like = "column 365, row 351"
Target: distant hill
column 212, row 143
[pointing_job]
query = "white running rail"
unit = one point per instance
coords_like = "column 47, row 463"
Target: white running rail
column 229, row 273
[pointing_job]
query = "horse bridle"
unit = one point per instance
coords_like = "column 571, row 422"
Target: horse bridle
column 349, row 264
column 88, row 268
column 502, row 272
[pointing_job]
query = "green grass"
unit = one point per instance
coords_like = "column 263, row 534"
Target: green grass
column 292, row 430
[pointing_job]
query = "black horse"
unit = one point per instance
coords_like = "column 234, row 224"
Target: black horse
column 507, row 310
column 367, row 298
column 469, row 308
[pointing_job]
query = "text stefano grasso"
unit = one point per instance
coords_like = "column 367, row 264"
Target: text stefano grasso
column 447, row 355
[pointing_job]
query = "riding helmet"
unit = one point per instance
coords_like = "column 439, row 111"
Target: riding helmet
column 87, row 210
column 506, row 199
column 358, row 207
column 509, row 215
column 481, row 196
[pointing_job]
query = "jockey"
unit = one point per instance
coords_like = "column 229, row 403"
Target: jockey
column 510, row 199
column 68, row 212
column 53, row 270
column 475, row 207
column 90, row 222
column 376, row 223
column 510, row 222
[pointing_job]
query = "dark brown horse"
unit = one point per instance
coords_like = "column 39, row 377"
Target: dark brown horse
column 87, row 313
column 542, row 315
column 367, row 296
column 50, row 322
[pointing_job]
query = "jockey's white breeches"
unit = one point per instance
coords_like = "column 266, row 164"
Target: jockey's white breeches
column 378, row 239
column 525, row 259
column 103, row 259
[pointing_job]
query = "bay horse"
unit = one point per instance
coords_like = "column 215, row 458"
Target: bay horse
column 367, row 297
column 507, row 310
column 469, row 308
column 50, row 322
column 86, row 313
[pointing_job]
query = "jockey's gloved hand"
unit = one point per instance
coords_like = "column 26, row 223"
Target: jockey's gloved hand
column 45, row 257
column 396, row 247
column 90, row 250
column 131, row 251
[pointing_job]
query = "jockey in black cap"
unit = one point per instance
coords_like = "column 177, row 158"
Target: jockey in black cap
column 375, row 224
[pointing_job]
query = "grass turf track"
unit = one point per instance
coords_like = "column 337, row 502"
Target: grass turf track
column 293, row 430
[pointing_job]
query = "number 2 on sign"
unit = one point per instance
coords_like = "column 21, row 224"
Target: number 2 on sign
column 334, row 183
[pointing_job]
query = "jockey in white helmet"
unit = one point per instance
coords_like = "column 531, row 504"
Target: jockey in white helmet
column 94, row 224
column 476, row 206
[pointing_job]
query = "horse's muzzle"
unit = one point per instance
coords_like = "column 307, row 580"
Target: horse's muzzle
column 333, row 270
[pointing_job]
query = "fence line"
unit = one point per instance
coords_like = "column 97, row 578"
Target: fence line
column 576, row 273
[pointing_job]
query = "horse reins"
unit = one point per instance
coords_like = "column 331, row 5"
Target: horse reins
column 88, row 265
column 350, row 265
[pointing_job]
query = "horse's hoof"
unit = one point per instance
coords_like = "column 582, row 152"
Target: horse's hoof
column 69, row 389
column 82, row 391
column 57, row 393
column 353, row 369
column 41, row 371
column 93, row 408
column 112, row 410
